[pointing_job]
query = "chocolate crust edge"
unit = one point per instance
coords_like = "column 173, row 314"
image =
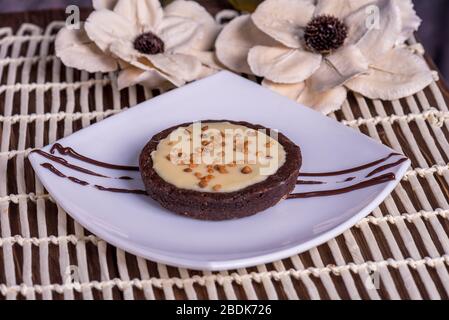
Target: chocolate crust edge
column 221, row 206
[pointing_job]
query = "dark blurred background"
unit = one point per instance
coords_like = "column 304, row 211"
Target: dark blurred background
column 433, row 33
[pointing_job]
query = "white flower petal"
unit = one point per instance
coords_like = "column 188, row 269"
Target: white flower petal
column 149, row 78
column 126, row 52
column 181, row 66
column 145, row 14
column 235, row 41
column 339, row 67
column 105, row 27
column 104, row 4
column 193, row 10
column 410, row 21
column 283, row 65
column 188, row 9
column 206, row 72
column 324, row 102
column 397, row 74
column 178, row 33
column 70, row 45
column 291, row 91
column 339, row 9
column 373, row 40
column 284, row 20
column 207, row 58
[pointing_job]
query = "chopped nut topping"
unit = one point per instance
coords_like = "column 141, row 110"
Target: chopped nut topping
column 217, row 187
column 203, row 184
column 209, row 177
column 247, row 170
column 221, row 169
column 187, row 170
column 198, row 175
column 168, row 157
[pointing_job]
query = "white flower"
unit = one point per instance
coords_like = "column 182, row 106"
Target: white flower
column 280, row 42
column 151, row 45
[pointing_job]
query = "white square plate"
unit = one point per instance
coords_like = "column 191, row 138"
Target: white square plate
column 139, row 225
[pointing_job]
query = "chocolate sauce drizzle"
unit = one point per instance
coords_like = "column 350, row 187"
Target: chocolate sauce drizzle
column 347, row 180
column 72, row 153
column 346, row 171
column 362, row 185
column 304, row 182
column 67, row 164
column 78, row 181
column 386, row 167
column 51, row 168
column 118, row 190
column 312, row 182
column 67, row 151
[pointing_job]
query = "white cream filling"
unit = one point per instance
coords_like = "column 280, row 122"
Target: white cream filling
column 217, row 157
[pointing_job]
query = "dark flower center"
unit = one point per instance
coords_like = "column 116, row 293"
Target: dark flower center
column 149, row 43
column 325, row 33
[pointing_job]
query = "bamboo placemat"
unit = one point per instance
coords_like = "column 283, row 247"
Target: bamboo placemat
column 401, row 251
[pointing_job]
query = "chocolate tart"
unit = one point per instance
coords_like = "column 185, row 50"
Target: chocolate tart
column 221, row 206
